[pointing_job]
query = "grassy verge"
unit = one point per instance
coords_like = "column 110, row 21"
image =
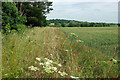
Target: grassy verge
column 48, row 53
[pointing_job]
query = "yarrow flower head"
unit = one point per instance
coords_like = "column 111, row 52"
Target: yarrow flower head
column 41, row 63
column 38, row 59
column 74, row 77
column 66, row 50
column 54, row 68
column 33, row 68
column 46, row 59
column 74, row 35
column 50, row 61
column 59, row 65
column 47, row 63
column 115, row 61
column 62, row 73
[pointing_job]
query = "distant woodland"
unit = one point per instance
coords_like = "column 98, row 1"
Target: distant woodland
column 73, row 23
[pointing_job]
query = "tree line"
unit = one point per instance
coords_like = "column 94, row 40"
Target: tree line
column 73, row 23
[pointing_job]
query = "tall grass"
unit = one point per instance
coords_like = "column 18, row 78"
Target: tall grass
column 0, row 55
column 20, row 51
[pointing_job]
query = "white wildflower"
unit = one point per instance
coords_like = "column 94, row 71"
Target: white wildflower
column 115, row 61
column 74, row 77
column 41, row 63
column 38, row 59
column 47, row 63
column 73, row 33
column 30, row 66
column 54, row 68
column 59, row 72
column 65, row 73
column 62, row 73
column 46, row 59
column 44, row 43
column 59, row 65
column 51, row 54
column 33, row 68
column 50, row 61
column 66, row 50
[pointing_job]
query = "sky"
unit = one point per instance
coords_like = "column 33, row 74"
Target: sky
column 85, row 10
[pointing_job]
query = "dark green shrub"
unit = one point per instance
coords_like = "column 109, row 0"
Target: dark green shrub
column 19, row 27
column 7, row 28
column 11, row 15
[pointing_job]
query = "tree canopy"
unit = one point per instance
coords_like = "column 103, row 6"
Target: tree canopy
column 35, row 12
column 27, row 13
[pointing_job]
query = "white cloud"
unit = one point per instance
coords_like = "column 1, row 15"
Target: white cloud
column 85, row 11
column 84, row 0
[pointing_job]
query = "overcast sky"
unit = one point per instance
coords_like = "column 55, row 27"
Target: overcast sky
column 85, row 10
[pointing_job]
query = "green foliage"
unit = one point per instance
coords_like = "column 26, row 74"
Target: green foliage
column 19, row 27
column 33, row 21
column 11, row 16
column 36, row 12
column 31, row 14
column 9, row 13
column 7, row 28
column 21, row 19
column 13, row 30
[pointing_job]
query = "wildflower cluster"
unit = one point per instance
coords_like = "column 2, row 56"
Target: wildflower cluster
column 33, row 68
column 47, row 65
column 62, row 73
column 73, row 35
column 74, row 77
column 111, row 61
column 114, row 60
